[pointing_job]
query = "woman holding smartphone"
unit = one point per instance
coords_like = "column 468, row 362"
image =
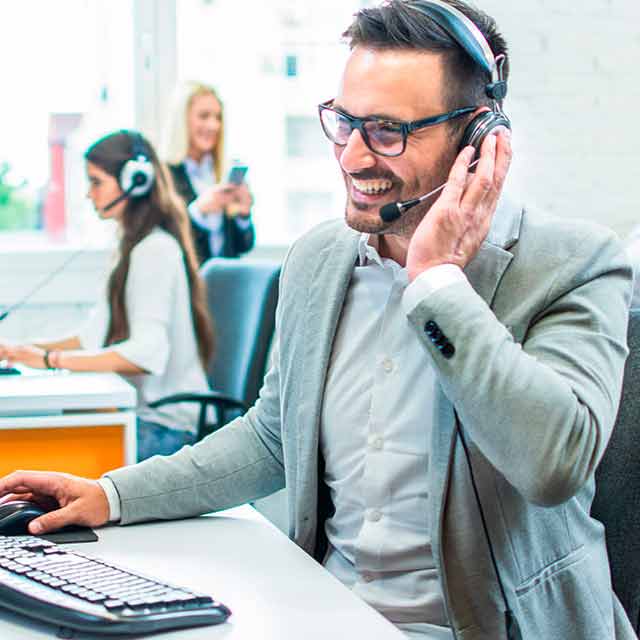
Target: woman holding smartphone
column 151, row 323
column 219, row 205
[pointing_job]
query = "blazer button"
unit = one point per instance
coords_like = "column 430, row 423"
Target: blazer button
column 447, row 350
column 430, row 327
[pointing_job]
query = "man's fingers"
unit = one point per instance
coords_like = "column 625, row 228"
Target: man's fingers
column 31, row 482
column 457, row 180
column 503, row 159
column 53, row 521
column 10, row 497
column 483, row 178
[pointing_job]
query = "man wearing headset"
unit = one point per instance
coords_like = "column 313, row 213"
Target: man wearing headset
column 444, row 380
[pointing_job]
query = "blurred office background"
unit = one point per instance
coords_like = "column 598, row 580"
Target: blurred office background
column 75, row 69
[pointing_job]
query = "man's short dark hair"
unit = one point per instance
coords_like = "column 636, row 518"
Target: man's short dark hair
column 397, row 25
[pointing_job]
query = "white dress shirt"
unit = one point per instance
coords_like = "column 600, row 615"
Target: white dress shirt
column 375, row 436
column 162, row 338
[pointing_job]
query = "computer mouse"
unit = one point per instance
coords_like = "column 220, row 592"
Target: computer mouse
column 15, row 515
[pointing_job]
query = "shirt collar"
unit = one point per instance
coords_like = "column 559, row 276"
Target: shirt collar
column 368, row 250
column 368, row 254
column 202, row 168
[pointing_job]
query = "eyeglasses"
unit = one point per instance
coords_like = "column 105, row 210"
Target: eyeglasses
column 384, row 137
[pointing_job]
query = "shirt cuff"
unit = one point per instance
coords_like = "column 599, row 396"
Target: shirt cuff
column 113, row 498
column 430, row 281
column 243, row 222
column 210, row 222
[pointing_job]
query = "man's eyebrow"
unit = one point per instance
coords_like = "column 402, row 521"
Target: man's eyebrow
column 378, row 116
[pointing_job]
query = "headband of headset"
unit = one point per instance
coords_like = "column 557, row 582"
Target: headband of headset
column 461, row 29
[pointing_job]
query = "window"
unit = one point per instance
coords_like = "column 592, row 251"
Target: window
column 69, row 80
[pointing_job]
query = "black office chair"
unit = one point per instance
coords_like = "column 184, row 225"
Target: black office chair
column 242, row 296
column 617, row 499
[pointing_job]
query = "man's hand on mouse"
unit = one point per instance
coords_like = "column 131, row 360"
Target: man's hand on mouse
column 80, row 501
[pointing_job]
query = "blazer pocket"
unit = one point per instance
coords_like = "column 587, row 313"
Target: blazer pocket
column 566, row 599
column 550, row 570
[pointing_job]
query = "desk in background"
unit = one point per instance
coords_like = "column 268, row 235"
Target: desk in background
column 274, row 589
column 81, row 423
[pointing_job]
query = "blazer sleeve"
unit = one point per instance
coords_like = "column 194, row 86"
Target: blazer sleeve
column 240, row 463
column 240, row 236
column 542, row 411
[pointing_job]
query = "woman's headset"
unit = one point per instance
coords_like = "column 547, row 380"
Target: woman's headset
column 470, row 38
column 137, row 175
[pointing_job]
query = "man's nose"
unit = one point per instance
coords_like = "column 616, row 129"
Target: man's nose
column 356, row 156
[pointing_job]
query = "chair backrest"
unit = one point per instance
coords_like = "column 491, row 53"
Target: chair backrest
column 617, row 499
column 242, row 296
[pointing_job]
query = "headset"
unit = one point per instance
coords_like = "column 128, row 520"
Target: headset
column 463, row 31
column 137, row 174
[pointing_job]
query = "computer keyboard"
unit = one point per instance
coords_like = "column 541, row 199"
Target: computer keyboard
column 72, row 590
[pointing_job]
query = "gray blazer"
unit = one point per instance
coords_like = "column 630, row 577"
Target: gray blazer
column 540, row 344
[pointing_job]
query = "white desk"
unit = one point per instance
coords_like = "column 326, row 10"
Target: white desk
column 274, row 589
column 76, row 422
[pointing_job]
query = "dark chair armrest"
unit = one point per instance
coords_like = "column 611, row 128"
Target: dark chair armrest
column 205, row 398
column 222, row 402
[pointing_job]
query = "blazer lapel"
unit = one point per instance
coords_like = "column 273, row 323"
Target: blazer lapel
column 327, row 288
column 484, row 273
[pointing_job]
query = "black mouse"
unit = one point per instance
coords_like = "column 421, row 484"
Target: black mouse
column 16, row 515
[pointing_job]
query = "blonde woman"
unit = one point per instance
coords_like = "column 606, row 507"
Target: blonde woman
column 220, row 211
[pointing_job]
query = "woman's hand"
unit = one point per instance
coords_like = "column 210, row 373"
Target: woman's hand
column 215, row 199
column 73, row 500
column 233, row 199
column 25, row 354
column 241, row 201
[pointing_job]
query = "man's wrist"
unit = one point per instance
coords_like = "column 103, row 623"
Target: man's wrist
column 413, row 271
column 113, row 499
column 429, row 281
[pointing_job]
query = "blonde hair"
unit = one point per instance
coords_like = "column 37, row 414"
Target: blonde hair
column 175, row 143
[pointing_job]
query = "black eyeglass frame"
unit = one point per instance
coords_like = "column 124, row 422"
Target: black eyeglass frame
column 406, row 128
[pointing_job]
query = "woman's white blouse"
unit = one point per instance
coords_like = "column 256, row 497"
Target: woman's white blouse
column 162, row 338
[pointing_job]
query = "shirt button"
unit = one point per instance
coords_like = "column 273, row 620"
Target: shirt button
column 376, row 442
column 373, row 515
column 387, row 365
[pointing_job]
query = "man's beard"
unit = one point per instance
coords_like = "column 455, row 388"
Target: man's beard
column 407, row 223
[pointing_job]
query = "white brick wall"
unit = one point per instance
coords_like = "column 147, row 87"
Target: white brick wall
column 575, row 100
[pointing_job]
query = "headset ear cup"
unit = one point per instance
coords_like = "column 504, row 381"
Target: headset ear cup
column 481, row 126
column 137, row 177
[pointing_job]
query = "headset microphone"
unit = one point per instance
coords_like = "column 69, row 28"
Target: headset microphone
column 138, row 180
column 393, row 210
column 120, row 198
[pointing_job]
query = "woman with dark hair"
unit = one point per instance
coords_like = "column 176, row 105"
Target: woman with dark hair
column 151, row 324
column 194, row 149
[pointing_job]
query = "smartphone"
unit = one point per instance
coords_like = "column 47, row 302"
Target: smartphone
column 237, row 173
